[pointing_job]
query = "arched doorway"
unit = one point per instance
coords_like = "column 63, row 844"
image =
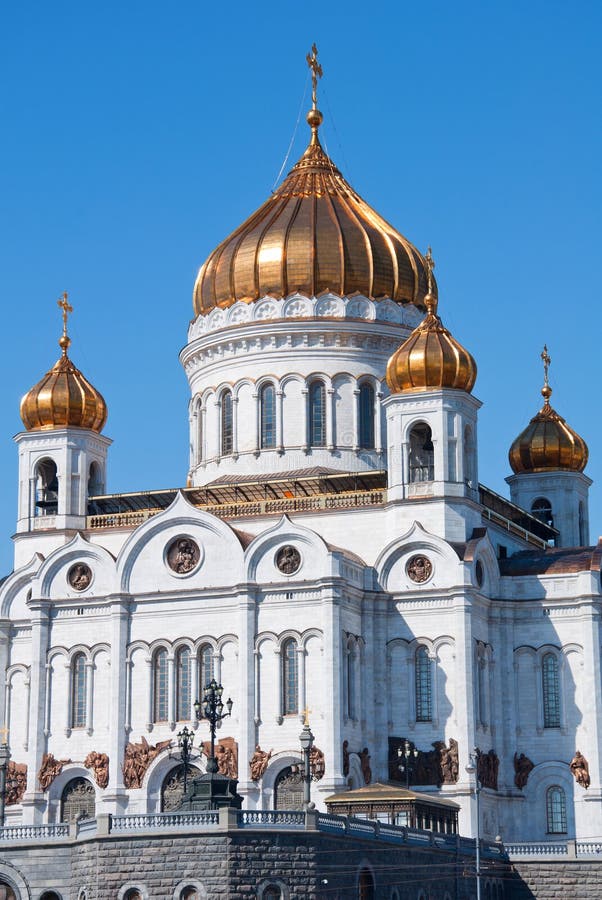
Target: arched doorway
column 288, row 789
column 365, row 887
column 172, row 789
column 78, row 800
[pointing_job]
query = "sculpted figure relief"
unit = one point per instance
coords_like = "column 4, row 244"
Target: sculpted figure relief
column 183, row 555
column 487, row 769
column 49, row 769
column 226, row 755
column 580, row 769
column 316, row 763
column 99, row 763
column 137, row 759
column 419, row 569
column 522, row 768
column 80, row 576
column 288, row 559
column 448, row 761
column 16, row 782
column 259, row 763
column 364, row 756
column 437, row 766
column 345, row 758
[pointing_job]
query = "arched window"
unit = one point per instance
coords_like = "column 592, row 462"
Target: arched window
column 468, row 456
column 288, row 789
column 6, row 891
column 365, row 885
column 267, row 400
column 551, row 691
column 78, row 691
column 424, row 697
column 172, row 789
column 78, row 800
column 556, row 810
column 47, row 488
column 183, row 685
column 582, row 528
column 542, row 510
column 350, row 682
column 226, row 424
column 317, row 414
column 205, row 667
column 366, row 436
column 422, row 458
column 290, row 678
column 133, row 894
column 160, row 686
column 271, row 892
column 95, row 484
column 47, row 895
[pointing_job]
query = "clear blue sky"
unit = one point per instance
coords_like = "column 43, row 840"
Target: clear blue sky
column 137, row 135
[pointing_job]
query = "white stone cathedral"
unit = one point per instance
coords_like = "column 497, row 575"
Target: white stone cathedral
column 332, row 551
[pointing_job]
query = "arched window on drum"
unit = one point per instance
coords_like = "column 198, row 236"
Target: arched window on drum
column 267, row 399
column 227, row 424
column 366, row 417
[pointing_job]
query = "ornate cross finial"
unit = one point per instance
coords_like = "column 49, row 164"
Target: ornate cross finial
column 430, row 265
column 4, row 733
column 66, row 307
column 316, row 72
column 546, row 389
column 306, row 713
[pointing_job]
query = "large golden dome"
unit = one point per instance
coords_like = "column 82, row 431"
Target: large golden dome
column 64, row 398
column 431, row 358
column 313, row 235
column 548, row 444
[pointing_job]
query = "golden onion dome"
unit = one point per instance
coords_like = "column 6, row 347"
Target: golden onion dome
column 64, row 398
column 313, row 235
column 431, row 358
column 548, row 444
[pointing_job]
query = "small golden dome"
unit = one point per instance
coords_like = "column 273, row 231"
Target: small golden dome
column 63, row 398
column 312, row 236
column 431, row 358
column 548, row 444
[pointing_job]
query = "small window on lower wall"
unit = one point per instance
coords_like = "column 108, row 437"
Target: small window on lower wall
column 272, row 890
column 50, row 895
column 556, row 810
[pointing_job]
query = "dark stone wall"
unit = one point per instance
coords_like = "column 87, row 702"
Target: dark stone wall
column 566, row 880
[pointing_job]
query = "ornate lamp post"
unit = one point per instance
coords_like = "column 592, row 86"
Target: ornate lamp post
column 306, row 739
column 212, row 709
column 473, row 769
column 407, row 756
column 185, row 740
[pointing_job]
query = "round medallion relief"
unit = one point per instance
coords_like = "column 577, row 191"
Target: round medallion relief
column 183, row 555
column 419, row 568
column 288, row 559
column 79, row 576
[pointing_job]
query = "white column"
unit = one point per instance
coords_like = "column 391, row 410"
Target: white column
column 301, row 654
column 378, row 422
column 246, row 692
column 328, row 730
column 34, row 800
column 305, row 414
column 257, row 420
column 89, row 696
column 194, row 686
column 149, row 693
column 278, row 686
column 465, row 699
column 120, row 719
column 592, row 712
column 27, row 707
column 4, row 646
column 257, row 717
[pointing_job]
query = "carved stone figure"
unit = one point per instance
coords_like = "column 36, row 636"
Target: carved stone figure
column 183, row 555
column 437, row 766
column 364, row 756
column 345, row 758
column 226, row 755
column 448, row 761
column 137, row 758
column 580, row 769
column 49, row 769
column 419, row 568
column 16, row 782
column 259, row 763
column 316, row 763
column 80, row 576
column 288, row 559
column 522, row 768
column 99, row 763
column 487, row 769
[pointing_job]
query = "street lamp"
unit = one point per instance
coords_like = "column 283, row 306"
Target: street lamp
column 473, row 769
column 212, row 709
column 306, row 740
column 185, row 740
column 4, row 758
column 406, row 753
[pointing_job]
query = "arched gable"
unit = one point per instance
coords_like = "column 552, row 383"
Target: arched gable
column 260, row 555
column 391, row 565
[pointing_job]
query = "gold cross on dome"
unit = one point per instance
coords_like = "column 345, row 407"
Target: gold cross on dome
column 430, row 265
column 316, row 72
column 546, row 363
column 306, row 713
column 4, row 733
column 67, row 308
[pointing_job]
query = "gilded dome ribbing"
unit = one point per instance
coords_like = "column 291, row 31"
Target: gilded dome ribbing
column 431, row 358
column 63, row 398
column 548, row 444
column 312, row 236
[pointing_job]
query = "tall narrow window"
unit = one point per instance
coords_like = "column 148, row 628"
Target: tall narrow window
column 317, row 414
column 183, row 692
column 424, row 697
column 268, row 416
column 350, row 682
column 551, row 691
column 366, row 436
column 582, row 528
column 556, row 810
column 226, row 423
column 205, row 667
column 160, row 686
column 47, row 488
column 78, row 691
column 95, row 485
column 290, row 680
column 422, row 458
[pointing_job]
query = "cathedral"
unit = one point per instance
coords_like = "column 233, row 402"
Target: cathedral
column 332, row 557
